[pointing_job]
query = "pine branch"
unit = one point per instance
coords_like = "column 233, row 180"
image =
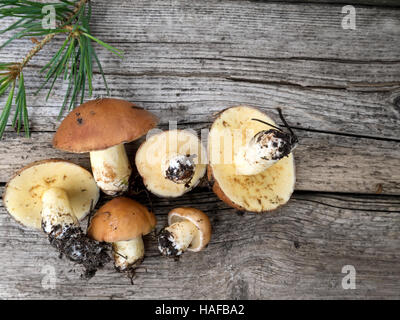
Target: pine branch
column 73, row 62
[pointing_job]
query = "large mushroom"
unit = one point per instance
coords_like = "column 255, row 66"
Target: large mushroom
column 189, row 229
column 251, row 164
column 54, row 195
column 171, row 163
column 122, row 222
column 101, row 127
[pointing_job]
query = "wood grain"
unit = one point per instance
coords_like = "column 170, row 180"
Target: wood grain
column 185, row 61
column 254, row 28
column 390, row 3
column 296, row 252
column 324, row 162
column 208, row 56
column 195, row 99
column 219, row 60
column 300, row 42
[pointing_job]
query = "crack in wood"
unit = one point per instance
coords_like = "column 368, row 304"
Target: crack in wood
column 348, row 208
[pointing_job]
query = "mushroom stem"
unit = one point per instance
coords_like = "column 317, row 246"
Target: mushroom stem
column 176, row 238
column 263, row 150
column 111, row 169
column 128, row 254
column 64, row 233
column 179, row 168
column 56, row 211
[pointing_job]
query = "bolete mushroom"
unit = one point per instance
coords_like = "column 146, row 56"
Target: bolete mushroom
column 54, row 195
column 122, row 222
column 188, row 229
column 101, row 127
column 251, row 166
column 171, row 162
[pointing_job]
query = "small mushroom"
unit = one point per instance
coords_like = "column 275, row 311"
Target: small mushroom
column 123, row 222
column 188, row 229
column 54, row 195
column 171, row 163
column 251, row 164
column 101, row 127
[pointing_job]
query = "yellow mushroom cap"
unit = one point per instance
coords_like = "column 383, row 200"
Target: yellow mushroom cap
column 23, row 194
column 158, row 149
column 261, row 192
column 121, row 219
column 199, row 219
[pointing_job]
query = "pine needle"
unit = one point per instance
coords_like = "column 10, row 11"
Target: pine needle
column 73, row 62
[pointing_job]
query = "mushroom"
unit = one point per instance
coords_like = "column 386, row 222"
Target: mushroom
column 188, row 229
column 251, row 164
column 101, row 127
column 54, row 195
column 171, row 162
column 123, row 222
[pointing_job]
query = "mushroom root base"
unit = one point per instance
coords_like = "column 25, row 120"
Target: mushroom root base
column 166, row 244
column 77, row 247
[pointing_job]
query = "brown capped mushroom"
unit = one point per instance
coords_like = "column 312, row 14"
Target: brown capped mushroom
column 188, row 229
column 54, row 195
column 123, row 222
column 251, row 163
column 101, row 127
column 171, row 163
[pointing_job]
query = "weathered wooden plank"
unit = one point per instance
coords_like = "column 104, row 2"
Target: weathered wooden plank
column 187, row 60
column 390, row 3
column 324, row 162
column 296, row 252
column 261, row 28
column 296, row 29
column 164, row 71
column 213, row 37
column 195, row 99
column 210, row 60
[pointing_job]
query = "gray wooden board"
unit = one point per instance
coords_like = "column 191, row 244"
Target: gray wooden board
column 185, row 61
column 195, row 99
column 296, row 252
column 324, row 162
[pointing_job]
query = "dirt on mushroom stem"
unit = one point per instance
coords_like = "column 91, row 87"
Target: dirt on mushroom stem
column 166, row 244
column 175, row 239
column 130, row 271
column 181, row 169
column 72, row 242
column 280, row 141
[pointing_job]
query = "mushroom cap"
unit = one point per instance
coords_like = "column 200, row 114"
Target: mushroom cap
column 199, row 219
column 121, row 219
column 102, row 123
column 155, row 152
column 23, row 193
column 261, row 192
